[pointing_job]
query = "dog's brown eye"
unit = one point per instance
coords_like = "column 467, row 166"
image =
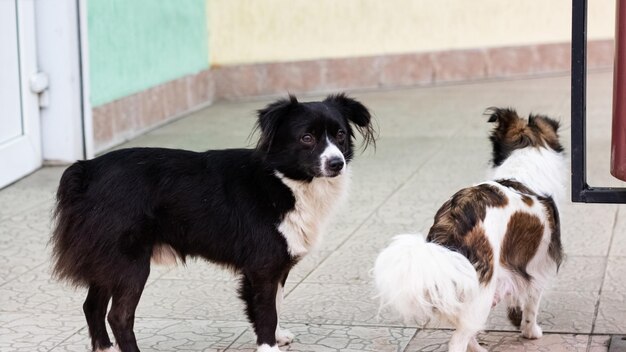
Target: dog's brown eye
column 341, row 136
column 308, row 139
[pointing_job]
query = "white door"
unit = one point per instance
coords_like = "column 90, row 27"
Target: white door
column 20, row 135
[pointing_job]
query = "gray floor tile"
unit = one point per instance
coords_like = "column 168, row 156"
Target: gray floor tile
column 580, row 274
column 12, row 267
column 171, row 335
column 618, row 247
column 599, row 343
column 437, row 341
column 611, row 317
column 201, row 270
column 34, row 224
column 198, row 269
column 194, row 300
column 322, row 338
column 558, row 312
column 615, row 279
column 348, row 265
column 586, row 228
column 336, row 304
column 32, row 191
column 432, row 143
column 306, row 267
column 36, row 332
column 36, row 293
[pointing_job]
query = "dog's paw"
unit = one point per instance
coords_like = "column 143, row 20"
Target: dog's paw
column 267, row 348
column 109, row 349
column 474, row 346
column 532, row 331
column 284, row 337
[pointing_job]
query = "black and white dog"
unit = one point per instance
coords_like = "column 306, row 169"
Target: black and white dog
column 498, row 240
column 255, row 211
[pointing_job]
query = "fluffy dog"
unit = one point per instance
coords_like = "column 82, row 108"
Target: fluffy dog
column 255, row 211
column 497, row 240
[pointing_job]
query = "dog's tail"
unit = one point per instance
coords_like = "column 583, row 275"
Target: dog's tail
column 65, row 244
column 422, row 280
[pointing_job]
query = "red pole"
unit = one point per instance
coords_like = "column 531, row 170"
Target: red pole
column 618, row 142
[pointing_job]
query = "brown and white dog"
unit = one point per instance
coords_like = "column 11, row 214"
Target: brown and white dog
column 497, row 240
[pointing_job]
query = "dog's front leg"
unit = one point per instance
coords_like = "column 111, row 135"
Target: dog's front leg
column 260, row 297
column 283, row 336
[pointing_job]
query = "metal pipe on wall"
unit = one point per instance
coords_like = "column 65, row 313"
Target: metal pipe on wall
column 618, row 140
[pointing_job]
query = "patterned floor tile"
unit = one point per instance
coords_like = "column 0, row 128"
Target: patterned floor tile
column 12, row 266
column 427, row 150
column 599, row 343
column 580, row 274
column 558, row 312
column 197, row 269
column 21, row 249
column 170, row 335
column 611, row 317
column 32, row 191
column 586, row 230
column 618, row 247
column 336, row 304
column 40, row 332
column 615, row 279
column 437, row 341
column 199, row 300
column 36, row 293
column 35, row 222
column 340, row 338
column 350, row 264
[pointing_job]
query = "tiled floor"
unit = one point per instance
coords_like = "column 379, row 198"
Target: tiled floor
column 432, row 141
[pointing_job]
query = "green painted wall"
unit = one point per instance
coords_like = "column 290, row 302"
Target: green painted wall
column 137, row 44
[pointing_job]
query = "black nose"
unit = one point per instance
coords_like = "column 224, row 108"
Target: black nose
column 335, row 164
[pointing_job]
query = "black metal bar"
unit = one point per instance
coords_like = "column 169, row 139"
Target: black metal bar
column 603, row 195
column 581, row 191
column 579, row 98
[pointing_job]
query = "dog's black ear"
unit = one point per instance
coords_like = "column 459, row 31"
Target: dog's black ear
column 509, row 133
column 356, row 113
column 554, row 124
column 504, row 117
column 269, row 118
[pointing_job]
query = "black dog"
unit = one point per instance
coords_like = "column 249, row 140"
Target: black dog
column 256, row 211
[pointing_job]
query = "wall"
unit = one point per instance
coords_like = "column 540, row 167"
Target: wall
column 249, row 31
column 152, row 61
column 138, row 44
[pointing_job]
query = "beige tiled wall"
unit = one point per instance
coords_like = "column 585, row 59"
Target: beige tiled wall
column 127, row 117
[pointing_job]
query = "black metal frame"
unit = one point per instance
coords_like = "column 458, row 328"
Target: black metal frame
column 581, row 191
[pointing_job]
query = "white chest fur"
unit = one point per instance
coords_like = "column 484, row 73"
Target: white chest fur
column 315, row 203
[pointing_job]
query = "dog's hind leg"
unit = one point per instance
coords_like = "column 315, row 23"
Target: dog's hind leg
column 260, row 297
column 461, row 339
column 471, row 320
column 125, row 299
column 95, row 308
column 474, row 346
column 530, row 328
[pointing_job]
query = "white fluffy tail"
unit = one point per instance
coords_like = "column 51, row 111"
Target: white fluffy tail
column 423, row 280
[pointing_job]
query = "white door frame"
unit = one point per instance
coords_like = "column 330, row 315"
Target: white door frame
column 67, row 133
column 13, row 156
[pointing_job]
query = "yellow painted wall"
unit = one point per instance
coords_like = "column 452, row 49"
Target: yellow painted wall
column 246, row 31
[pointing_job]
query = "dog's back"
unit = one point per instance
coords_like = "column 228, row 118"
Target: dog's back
column 116, row 207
